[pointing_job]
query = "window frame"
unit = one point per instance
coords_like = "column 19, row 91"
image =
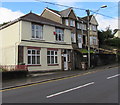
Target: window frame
column 59, row 34
column 72, row 22
column 37, row 56
column 66, row 22
column 54, row 56
column 37, row 29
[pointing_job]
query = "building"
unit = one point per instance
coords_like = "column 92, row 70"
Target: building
column 37, row 42
column 117, row 33
column 78, row 31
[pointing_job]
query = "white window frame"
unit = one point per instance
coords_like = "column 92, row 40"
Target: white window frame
column 66, row 22
column 37, row 29
column 59, row 34
column 94, row 28
column 93, row 40
column 72, row 23
column 54, row 55
column 36, row 56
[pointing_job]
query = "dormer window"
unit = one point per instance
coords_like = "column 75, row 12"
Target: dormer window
column 72, row 23
column 37, row 31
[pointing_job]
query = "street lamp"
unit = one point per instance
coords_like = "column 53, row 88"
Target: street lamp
column 88, row 31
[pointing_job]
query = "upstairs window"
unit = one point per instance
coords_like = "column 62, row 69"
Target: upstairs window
column 66, row 22
column 94, row 28
column 79, row 26
column 93, row 40
column 72, row 23
column 37, row 31
column 59, row 34
column 73, row 38
column 84, row 26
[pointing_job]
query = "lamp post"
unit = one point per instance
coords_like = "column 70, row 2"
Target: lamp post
column 88, row 32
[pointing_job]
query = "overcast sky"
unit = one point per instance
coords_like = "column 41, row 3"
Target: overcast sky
column 12, row 10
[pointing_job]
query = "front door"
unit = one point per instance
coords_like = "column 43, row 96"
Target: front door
column 65, row 62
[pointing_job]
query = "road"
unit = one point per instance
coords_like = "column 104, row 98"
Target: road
column 97, row 87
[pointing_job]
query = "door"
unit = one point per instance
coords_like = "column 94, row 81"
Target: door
column 65, row 62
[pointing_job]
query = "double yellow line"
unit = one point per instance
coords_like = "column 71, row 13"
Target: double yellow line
column 59, row 78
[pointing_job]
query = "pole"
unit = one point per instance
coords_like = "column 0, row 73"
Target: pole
column 88, row 36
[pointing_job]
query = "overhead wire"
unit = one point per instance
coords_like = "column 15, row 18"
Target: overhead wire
column 75, row 8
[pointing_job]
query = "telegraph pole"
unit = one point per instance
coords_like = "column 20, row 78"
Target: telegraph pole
column 88, row 36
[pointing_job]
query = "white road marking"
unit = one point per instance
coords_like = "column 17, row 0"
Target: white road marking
column 113, row 76
column 69, row 90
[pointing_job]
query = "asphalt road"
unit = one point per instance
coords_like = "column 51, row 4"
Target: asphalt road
column 98, row 87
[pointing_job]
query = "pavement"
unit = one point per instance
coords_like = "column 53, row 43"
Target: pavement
column 99, row 86
column 47, row 76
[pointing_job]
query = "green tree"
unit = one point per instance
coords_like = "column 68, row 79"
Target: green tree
column 104, row 35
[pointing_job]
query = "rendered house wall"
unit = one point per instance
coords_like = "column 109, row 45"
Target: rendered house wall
column 9, row 41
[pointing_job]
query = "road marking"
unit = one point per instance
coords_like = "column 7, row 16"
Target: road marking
column 113, row 76
column 69, row 90
column 77, row 75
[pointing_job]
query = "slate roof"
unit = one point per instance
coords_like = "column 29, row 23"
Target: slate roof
column 63, row 13
column 32, row 17
column 85, row 18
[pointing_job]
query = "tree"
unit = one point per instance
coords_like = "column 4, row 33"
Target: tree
column 104, row 35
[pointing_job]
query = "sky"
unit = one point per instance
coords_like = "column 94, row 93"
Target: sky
column 12, row 10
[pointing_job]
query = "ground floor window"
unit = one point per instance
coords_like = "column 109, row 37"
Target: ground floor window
column 52, row 57
column 33, row 56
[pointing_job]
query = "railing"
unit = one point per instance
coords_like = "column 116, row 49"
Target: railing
column 13, row 67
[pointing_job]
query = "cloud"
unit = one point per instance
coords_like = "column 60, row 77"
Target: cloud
column 106, row 22
column 9, row 15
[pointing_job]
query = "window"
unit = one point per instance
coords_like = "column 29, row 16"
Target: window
column 72, row 23
column 59, row 34
column 33, row 56
column 79, row 26
column 73, row 39
column 37, row 31
column 93, row 40
column 94, row 28
column 80, row 38
column 52, row 57
column 66, row 22
column 84, row 26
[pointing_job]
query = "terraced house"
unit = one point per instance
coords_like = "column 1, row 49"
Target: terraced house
column 78, row 31
column 39, row 43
